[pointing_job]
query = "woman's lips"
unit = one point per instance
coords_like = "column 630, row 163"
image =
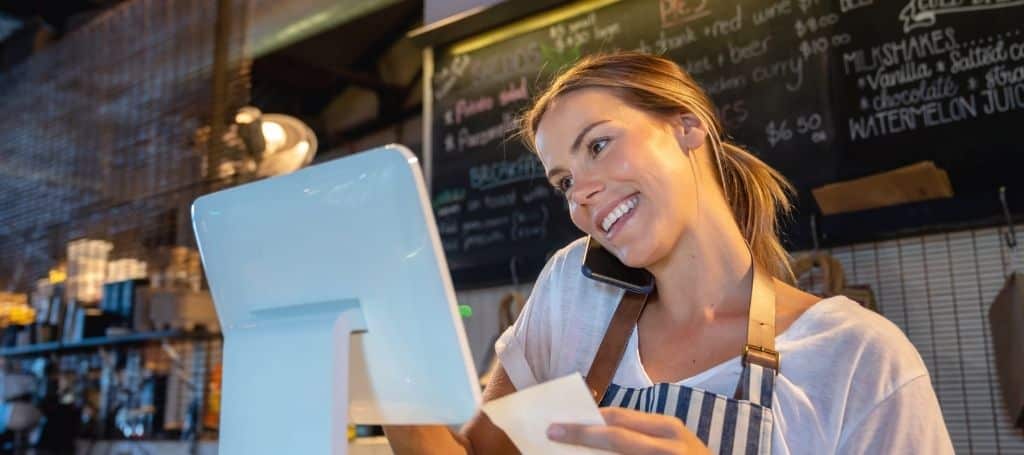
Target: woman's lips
column 621, row 222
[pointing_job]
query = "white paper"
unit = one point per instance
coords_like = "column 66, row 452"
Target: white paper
column 526, row 415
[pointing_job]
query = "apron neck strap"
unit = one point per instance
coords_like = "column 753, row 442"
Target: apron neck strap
column 613, row 346
column 760, row 347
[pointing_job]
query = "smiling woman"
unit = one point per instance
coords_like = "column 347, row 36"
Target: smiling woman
column 725, row 356
column 635, row 100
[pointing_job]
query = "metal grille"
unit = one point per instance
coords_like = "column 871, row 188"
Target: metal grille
column 98, row 132
column 938, row 289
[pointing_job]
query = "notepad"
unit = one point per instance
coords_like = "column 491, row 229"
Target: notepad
column 526, row 415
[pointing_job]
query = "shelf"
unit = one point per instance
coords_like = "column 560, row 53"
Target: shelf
column 89, row 343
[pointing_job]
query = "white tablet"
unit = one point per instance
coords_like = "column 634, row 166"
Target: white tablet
column 289, row 257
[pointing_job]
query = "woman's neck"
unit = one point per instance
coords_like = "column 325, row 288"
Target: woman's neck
column 707, row 276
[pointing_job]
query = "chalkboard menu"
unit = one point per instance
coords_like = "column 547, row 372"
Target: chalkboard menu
column 823, row 91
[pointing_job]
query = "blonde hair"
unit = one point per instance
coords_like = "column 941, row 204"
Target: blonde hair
column 756, row 193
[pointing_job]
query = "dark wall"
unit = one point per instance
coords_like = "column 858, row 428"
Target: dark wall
column 823, row 91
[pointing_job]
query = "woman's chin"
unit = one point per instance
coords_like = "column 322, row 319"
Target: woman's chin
column 631, row 259
column 643, row 256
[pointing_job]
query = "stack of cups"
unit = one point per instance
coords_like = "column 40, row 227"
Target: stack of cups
column 125, row 269
column 176, row 267
column 41, row 297
column 87, row 269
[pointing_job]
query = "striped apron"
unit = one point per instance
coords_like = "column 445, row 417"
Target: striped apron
column 738, row 426
column 726, row 425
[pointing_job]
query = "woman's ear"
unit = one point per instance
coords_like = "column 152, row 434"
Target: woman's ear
column 690, row 131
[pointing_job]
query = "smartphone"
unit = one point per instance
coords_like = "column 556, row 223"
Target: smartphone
column 601, row 265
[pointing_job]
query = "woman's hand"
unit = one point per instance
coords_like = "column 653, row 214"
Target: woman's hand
column 632, row 432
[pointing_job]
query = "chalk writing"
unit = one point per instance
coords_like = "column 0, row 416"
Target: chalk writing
column 529, row 223
column 725, row 83
column 805, row 5
column 937, row 89
column 733, row 114
column 978, row 57
column 778, row 133
column 490, row 175
column 936, row 42
column 538, row 192
column 698, row 66
column 822, row 44
column 451, row 209
column 751, row 49
column 792, row 68
column 666, row 42
column 773, row 11
column 580, row 32
column 785, row 77
column 468, row 139
column 520, row 60
column 497, row 201
column 468, row 108
column 805, row 125
column 471, row 226
column 723, row 27
column 448, row 196
column 678, row 12
column 814, row 24
column 1000, row 75
column 850, row 5
column 1003, row 99
column 478, row 241
column 909, row 118
column 903, row 74
column 446, row 77
column 514, row 91
column 447, row 227
column 922, row 13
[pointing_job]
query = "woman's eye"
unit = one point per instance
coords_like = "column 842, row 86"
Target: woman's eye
column 564, row 184
column 598, row 145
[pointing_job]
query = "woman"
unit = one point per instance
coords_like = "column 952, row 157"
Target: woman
column 636, row 147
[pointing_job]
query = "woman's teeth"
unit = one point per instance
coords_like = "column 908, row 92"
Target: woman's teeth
column 619, row 211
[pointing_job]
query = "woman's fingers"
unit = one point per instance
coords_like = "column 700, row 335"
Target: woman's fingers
column 610, row 438
column 657, row 425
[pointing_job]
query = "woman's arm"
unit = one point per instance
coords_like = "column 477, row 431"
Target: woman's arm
column 478, row 436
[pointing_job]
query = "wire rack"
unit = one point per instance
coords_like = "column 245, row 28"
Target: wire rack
column 938, row 289
column 102, row 133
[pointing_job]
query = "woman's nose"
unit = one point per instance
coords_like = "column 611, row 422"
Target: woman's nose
column 585, row 190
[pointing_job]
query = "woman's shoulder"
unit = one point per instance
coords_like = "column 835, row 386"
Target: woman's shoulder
column 564, row 258
column 840, row 338
column 563, row 321
column 563, row 275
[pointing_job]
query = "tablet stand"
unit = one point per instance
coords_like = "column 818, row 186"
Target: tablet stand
column 311, row 419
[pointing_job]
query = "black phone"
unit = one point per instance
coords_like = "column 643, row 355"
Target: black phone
column 601, row 265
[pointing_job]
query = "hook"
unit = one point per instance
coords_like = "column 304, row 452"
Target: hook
column 513, row 271
column 814, row 231
column 1011, row 236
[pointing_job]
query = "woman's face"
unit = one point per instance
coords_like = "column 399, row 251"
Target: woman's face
column 628, row 175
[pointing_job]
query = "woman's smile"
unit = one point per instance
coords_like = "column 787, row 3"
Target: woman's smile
column 613, row 219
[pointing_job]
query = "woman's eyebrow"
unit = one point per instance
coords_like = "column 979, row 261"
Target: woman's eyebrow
column 583, row 132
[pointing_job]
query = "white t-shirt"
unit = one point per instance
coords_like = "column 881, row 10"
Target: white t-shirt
column 850, row 381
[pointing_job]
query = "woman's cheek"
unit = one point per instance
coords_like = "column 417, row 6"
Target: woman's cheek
column 577, row 217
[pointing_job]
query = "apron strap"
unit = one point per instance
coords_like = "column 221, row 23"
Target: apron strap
column 760, row 359
column 759, row 349
column 613, row 346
